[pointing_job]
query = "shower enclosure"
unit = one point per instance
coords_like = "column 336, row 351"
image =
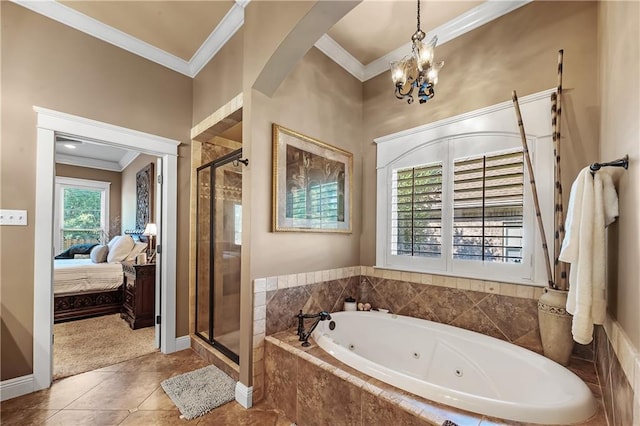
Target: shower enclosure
column 218, row 248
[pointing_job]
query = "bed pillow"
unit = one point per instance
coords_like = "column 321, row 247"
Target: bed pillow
column 135, row 251
column 120, row 249
column 113, row 241
column 99, row 253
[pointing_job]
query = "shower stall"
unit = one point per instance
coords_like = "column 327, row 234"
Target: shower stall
column 218, row 249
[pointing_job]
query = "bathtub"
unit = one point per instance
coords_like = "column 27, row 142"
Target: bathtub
column 457, row 367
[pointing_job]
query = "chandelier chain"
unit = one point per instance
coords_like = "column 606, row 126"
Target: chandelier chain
column 418, row 16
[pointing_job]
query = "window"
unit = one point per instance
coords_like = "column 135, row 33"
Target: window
column 488, row 202
column 82, row 212
column 416, row 211
column 455, row 202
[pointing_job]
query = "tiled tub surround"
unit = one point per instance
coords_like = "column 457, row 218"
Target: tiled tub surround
column 617, row 362
column 502, row 310
column 313, row 388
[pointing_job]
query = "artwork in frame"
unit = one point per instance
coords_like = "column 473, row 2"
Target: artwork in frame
column 312, row 183
column 144, row 196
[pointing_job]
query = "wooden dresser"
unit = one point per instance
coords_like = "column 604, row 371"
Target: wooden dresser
column 138, row 307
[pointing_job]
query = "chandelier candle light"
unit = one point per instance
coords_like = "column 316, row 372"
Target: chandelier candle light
column 417, row 70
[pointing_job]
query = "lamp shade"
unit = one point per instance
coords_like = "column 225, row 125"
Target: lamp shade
column 150, row 229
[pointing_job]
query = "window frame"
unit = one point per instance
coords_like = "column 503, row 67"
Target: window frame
column 62, row 183
column 464, row 136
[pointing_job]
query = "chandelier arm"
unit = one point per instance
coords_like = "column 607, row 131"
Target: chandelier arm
column 408, row 95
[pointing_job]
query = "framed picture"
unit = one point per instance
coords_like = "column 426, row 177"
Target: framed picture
column 145, row 201
column 312, row 183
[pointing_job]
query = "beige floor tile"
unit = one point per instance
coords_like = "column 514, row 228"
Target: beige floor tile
column 25, row 417
column 156, row 418
column 60, row 394
column 233, row 413
column 158, row 400
column 122, row 391
column 175, row 363
column 128, row 393
column 87, row 417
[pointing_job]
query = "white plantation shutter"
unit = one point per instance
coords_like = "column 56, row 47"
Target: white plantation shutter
column 488, row 201
column 416, row 211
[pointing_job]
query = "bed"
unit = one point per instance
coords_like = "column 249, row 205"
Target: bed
column 85, row 288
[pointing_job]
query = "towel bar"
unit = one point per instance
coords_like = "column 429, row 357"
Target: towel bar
column 622, row 162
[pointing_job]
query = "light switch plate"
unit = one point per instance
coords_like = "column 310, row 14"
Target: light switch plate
column 13, row 217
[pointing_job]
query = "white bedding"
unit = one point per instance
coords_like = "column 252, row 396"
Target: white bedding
column 82, row 275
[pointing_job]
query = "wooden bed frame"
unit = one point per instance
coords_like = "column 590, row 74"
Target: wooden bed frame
column 73, row 306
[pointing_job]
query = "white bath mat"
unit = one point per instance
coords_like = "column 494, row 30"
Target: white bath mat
column 200, row 391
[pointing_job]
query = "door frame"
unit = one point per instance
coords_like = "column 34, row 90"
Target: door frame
column 49, row 124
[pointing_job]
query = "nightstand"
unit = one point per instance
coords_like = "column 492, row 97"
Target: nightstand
column 139, row 298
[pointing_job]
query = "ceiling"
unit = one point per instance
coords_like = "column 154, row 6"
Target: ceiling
column 186, row 35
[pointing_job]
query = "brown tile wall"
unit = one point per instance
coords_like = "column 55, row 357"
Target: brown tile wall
column 617, row 393
column 310, row 395
column 513, row 319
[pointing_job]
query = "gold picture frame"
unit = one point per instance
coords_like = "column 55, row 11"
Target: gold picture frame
column 312, row 184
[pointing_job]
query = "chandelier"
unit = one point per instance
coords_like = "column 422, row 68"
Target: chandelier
column 417, row 70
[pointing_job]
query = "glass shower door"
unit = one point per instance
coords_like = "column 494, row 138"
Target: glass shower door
column 219, row 245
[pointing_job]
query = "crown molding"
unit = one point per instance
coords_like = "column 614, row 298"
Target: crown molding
column 92, row 163
column 233, row 21
column 340, row 56
column 127, row 159
column 74, row 19
column 468, row 21
column 227, row 27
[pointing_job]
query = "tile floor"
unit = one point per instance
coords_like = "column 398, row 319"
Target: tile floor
column 127, row 393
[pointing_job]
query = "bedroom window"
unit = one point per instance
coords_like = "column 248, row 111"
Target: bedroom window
column 82, row 212
column 453, row 199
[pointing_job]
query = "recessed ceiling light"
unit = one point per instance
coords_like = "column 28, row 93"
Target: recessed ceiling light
column 69, row 143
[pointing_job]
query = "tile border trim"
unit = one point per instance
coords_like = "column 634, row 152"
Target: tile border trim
column 261, row 285
column 627, row 354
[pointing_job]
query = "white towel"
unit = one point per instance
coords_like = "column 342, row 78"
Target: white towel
column 593, row 205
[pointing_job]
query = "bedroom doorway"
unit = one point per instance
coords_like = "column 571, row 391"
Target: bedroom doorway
column 104, row 300
column 51, row 124
column 218, row 253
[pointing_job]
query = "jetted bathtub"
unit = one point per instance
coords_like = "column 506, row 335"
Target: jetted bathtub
column 457, row 367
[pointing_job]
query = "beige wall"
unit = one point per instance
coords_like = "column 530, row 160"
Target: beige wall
column 129, row 200
column 321, row 100
column 115, row 189
column 53, row 66
column 517, row 51
column 219, row 81
column 619, row 66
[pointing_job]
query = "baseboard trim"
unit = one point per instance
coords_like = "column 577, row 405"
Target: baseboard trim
column 244, row 395
column 182, row 343
column 17, row 387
